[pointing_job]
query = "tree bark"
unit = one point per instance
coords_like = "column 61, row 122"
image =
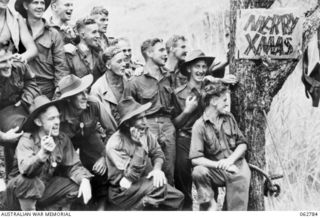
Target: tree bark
column 257, row 86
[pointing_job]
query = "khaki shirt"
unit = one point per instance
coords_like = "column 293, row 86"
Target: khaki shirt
column 63, row 157
column 103, row 90
column 67, row 37
column 50, row 64
column 146, row 88
column 21, row 85
column 128, row 159
column 80, row 67
column 180, row 96
column 215, row 142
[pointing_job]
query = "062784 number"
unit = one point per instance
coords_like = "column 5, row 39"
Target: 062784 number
column 308, row 213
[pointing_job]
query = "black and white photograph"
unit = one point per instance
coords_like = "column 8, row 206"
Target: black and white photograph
column 159, row 105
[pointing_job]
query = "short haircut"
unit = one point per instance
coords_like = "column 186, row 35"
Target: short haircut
column 110, row 52
column 99, row 10
column 81, row 23
column 173, row 40
column 212, row 89
column 147, row 44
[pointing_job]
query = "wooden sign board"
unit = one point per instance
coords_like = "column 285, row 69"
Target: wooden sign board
column 276, row 33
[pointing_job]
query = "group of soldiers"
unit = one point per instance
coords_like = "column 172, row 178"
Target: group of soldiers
column 84, row 127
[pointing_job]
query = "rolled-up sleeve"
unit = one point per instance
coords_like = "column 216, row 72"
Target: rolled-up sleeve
column 197, row 141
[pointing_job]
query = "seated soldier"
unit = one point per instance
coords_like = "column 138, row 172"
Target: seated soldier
column 135, row 182
column 217, row 152
column 80, row 114
column 47, row 171
column 17, row 91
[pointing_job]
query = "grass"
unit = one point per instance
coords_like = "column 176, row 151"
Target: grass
column 295, row 126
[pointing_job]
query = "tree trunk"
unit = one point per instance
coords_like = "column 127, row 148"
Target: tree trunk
column 258, row 84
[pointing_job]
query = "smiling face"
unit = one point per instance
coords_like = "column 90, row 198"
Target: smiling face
column 180, row 50
column 35, row 8
column 63, row 9
column 197, row 70
column 90, row 34
column 117, row 64
column 49, row 120
column 80, row 100
column 158, row 54
column 5, row 65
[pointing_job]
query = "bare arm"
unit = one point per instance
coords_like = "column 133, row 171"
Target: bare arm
column 27, row 41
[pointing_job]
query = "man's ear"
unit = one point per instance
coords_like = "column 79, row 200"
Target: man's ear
column 213, row 101
column 108, row 64
column 149, row 52
column 37, row 121
column 54, row 6
column 189, row 70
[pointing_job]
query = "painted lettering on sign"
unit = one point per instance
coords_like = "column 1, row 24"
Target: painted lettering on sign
column 265, row 32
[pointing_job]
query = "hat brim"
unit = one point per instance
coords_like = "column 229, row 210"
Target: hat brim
column 29, row 125
column 19, row 7
column 208, row 59
column 86, row 82
column 135, row 112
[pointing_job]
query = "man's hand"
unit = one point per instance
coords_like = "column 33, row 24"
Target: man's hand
column 135, row 134
column 159, row 179
column 19, row 57
column 11, row 135
column 100, row 166
column 125, row 183
column 191, row 104
column 48, row 144
column 224, row 164
column 85, row 190
column 229, row 79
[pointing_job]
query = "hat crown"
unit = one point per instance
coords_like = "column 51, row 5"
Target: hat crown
column 194, row 54
column 38, row 102
column 68, row 83
column 126, row 106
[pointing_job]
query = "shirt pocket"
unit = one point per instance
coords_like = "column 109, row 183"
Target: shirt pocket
column 213, row 144
column 231, row 138
column 45, row 51
column 149, row 95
